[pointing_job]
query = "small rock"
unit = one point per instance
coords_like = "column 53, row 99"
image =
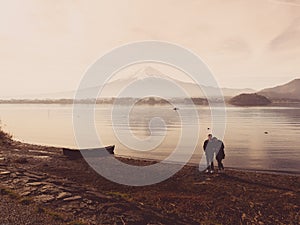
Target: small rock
column 289, row 194
column 41, row 157
column 88, row 201
column 243, row 216
column 13, row 175
column 5, row 172
column 77, row 197
column 49, row 189
column 44, row 198
column 251, row 204
column 63, row 195
column 99, row 195
column 31, row 179
column 32, row 188
column 35, row 184
column 200, row 183
column 83, row 205
column 25, row 180
column 15, row 181
column 28, row 188
column 91, row 207
column 34, row 175
column 25, row 193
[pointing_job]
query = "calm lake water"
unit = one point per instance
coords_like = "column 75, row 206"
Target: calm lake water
column 246, row 143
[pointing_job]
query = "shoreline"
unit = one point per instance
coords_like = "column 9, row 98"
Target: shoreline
column 271, row 171
column 245, row 169
column 43, row 183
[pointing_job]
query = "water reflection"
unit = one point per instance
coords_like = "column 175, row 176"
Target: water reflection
column 258, row 137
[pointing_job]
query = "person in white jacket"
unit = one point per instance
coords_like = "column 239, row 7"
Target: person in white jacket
column 209, row 149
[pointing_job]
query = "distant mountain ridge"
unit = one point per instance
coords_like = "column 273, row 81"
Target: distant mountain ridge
column 290, row 90
column 148, row 77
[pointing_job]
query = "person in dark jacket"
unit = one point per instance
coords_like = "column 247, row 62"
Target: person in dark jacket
column 207, row 147
column 220, row 155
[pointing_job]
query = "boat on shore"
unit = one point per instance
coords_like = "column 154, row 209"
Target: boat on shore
column 91, row 152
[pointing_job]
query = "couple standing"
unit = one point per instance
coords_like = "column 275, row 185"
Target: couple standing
column 213, row 146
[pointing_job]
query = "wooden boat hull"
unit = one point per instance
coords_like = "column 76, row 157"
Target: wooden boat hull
column 93, row 152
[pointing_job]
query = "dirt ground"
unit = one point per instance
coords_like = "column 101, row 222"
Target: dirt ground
column 41, row 186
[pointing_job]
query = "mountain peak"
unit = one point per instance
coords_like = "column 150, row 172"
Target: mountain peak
column 148, row 72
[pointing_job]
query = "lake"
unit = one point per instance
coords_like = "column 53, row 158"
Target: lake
column 260, row 138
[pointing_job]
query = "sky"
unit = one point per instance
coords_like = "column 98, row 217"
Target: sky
column 46, row 46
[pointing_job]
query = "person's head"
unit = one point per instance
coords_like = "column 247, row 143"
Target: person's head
column 209, row 136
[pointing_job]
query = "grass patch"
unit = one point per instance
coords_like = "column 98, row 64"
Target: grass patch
column 55, row 215
column 120, row 195
column 9, row 192
column 5, row 137
column 39, row 209
column 26, row 200
column 14, row 195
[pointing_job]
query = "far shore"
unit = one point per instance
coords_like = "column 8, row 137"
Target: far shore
column 46, row 187
column 148, row 101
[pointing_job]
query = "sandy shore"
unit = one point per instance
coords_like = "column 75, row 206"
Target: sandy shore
column 41, row 186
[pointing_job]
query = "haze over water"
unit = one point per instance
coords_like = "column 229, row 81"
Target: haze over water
column 246, row 143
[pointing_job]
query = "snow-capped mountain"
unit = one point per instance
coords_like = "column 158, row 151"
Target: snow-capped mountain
column 149, row 78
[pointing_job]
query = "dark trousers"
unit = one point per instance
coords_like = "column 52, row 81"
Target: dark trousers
column 220, row 164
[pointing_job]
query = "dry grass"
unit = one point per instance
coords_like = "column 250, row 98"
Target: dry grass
column 5, row 138
column 9, row 192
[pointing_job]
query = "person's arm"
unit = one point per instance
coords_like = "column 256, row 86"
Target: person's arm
column 223, row 152
column 222, row 146
column 205, row 144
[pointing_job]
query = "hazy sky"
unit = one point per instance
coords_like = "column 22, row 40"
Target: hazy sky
column 45, row 46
